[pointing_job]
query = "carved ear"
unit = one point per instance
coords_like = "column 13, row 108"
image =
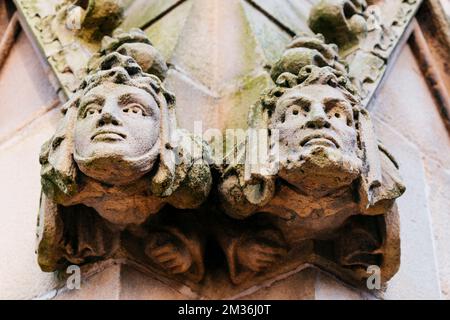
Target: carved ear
column 162, row 182
column 58, row 169
column 380, row 183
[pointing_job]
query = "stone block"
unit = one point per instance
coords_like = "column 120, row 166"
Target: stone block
column 138, row 286
column 140, row 12
column 20, row 188
column 328, row 288
column 165, row 32
column 104, row 285
column 293, row 15
column 299, row 286
column 216, row 45
column 417, row 277
column 438, row 179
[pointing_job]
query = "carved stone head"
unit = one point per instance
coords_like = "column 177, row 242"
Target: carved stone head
column 315, row 121
column 117, row 127
column 116, row 159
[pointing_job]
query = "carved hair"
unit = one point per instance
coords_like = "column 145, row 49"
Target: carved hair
column 308, row 46
column 119, row 37
column 121, row 69
column 310, row 75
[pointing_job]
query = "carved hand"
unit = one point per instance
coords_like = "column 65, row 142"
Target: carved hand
column 258, row 255
column 168, row 252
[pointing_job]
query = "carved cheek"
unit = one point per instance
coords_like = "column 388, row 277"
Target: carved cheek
column 144, row 130
column 285, row 131
column 82, row 136
column 348, row 136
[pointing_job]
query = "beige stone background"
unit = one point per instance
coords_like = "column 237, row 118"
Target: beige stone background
column 407, row 120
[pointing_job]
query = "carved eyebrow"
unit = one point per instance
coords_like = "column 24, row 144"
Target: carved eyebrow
column 303, row 101
column 126, row 98
column 90, row 98
column 330, row 102
column 297, row 100
column 87, row 100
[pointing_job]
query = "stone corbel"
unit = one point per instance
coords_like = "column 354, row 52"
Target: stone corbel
column 331, row 182
column 116, row 160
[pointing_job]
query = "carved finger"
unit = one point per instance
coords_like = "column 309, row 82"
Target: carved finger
column 269, row 250
column 261, row 265
column 162, row 250
column 173, row 264
column 169, row 264
column 180, row 269
column 167, row 257
column 266, row 258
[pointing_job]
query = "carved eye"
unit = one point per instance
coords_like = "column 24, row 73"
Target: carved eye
column 292, row 112
column 135, row 108
column 295, row 111
column 340, row 115
column 91, row 109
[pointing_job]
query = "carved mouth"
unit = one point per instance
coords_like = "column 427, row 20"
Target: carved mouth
column 108, row 135
column 319, row 139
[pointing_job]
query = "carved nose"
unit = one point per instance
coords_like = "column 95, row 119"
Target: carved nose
column 107, row 118
column 317, row 119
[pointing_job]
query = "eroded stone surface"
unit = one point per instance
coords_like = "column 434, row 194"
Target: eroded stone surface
column 121, row 182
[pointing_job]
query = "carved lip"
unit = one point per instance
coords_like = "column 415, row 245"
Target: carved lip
column 108, row 135
column 319, row 139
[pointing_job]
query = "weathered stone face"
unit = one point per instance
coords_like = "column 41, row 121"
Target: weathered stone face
column 317, row 138
column 116, row 125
